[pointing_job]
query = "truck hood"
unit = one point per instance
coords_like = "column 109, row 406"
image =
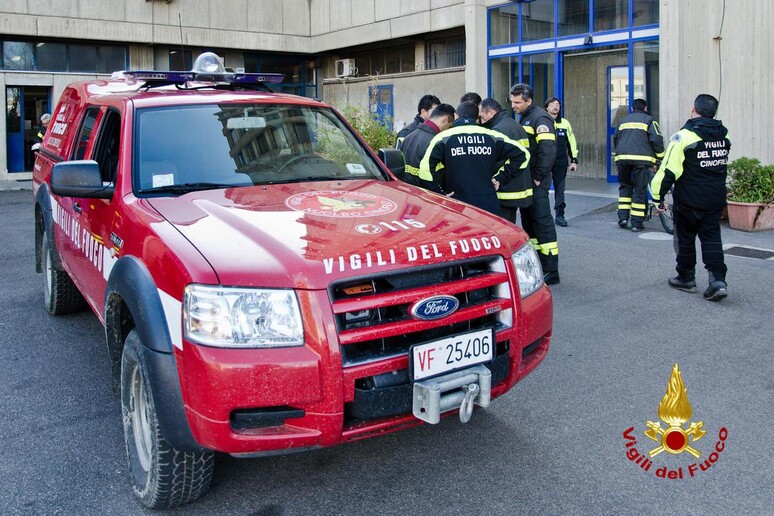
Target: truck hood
column 309, row 234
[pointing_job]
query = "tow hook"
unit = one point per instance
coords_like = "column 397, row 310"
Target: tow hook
column 459, row 389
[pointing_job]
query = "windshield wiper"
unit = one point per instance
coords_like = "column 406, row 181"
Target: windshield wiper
column 184, row 188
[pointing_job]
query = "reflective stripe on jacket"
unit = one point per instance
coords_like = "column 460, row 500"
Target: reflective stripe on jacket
column 516, row 191
column 470, row 155
column 637, row 140
column 542, row 141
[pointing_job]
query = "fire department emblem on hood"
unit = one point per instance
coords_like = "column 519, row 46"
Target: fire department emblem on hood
column 675, row 410
column 335, row 203
column 436, row 307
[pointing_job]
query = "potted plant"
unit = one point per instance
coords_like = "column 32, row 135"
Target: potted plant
column 750, row 195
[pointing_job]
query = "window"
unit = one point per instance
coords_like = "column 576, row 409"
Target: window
column 573, row 17
column 110, row 59
column 504, row 73
column 83, row 58
column 644, row 12
column 51, row 57
column 646, row 75
column 611, row 14
column 538, row 20
column 503, row 25
column 445, row 53
column 106, row 149
column 380, row 62
column 538, row 72
column 180, row 60
column 87, row 126
column 245, row 144
column 17, row 55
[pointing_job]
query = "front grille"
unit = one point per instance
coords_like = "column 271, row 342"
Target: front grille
column 373, row 314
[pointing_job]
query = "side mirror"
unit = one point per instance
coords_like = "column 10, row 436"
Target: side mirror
column 79, row 179
column 394, row 160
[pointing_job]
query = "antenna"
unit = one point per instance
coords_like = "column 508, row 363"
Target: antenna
column 182, row 48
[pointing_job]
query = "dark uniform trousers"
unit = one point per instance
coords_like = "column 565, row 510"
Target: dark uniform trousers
column 633, row 182
column 559, row 173
column 706, row 224
column 537, row 222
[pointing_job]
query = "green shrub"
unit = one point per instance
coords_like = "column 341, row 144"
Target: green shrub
column 377, row 135
column 749, row 181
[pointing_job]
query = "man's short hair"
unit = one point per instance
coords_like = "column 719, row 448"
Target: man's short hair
column 467, row 109
column 471, row 96
column 427, row 102
column 443, row 110
column 490, row 104
column 46, row 117
column 522, row 89
column 639, row 105
column 706, row 105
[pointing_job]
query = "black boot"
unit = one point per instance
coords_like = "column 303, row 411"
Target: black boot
column 551, row 278
column 684, row 283
column 560, row 221
column 717, row 289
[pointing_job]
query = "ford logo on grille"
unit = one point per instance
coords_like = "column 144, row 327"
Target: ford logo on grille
column 436, row 307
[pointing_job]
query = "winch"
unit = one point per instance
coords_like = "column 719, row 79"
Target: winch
column 460, row 389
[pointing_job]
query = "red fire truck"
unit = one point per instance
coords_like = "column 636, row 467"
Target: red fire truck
column 265, row 283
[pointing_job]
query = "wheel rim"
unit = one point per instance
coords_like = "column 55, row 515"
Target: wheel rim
column 140, row 421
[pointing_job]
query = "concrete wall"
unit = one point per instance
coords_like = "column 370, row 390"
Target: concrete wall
column 448, row 85
column 272, row 25
column 735, row 68
column 345, row 23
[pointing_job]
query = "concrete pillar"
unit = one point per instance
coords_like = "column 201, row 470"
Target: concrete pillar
column 476, row 69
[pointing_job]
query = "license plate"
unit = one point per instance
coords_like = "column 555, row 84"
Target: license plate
column 451, row 353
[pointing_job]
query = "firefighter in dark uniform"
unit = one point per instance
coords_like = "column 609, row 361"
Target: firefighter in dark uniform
column 426, row 105
column 470, row 155
column 516, row 192
column 638, row 147
column 696, row 163
column 565, row 146
column 536, row 219
column 415, row 144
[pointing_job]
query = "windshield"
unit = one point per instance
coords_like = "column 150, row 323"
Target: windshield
column 187, row 148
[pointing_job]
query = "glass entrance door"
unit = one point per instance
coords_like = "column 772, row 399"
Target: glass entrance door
column 587, row 105
column 24, row 107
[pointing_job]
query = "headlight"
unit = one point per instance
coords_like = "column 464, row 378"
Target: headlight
column 242, row 317
column 528, row 269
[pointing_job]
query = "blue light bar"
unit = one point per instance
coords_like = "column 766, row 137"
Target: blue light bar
column 182, row 77
column 254, row 78
column 152, row 75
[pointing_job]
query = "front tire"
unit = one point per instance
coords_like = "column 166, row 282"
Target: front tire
column 162, row 476
column 60, row 294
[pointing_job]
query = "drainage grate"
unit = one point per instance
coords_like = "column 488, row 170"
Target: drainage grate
column 761, row 254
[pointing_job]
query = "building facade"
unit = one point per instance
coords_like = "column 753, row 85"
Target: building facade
column 595, row 55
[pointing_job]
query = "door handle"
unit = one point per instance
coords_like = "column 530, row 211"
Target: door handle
column 77, row 207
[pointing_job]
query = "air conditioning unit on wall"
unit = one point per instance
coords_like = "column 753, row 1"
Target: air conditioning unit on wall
column 345, row 68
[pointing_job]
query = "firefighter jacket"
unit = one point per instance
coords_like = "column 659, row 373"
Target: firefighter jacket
column 565, row 142
column 516, row 191
column 637, row 140
column 413, row 148
column 696, row 163
column 542, row 141
column 470, row 154
column 410, row 128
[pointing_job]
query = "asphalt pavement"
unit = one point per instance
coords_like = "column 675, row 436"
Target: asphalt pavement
column 554, row 445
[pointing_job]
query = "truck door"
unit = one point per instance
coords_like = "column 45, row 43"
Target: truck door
column 97, row 216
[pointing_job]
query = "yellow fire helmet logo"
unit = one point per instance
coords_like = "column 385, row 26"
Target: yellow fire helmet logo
column 675, row 410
